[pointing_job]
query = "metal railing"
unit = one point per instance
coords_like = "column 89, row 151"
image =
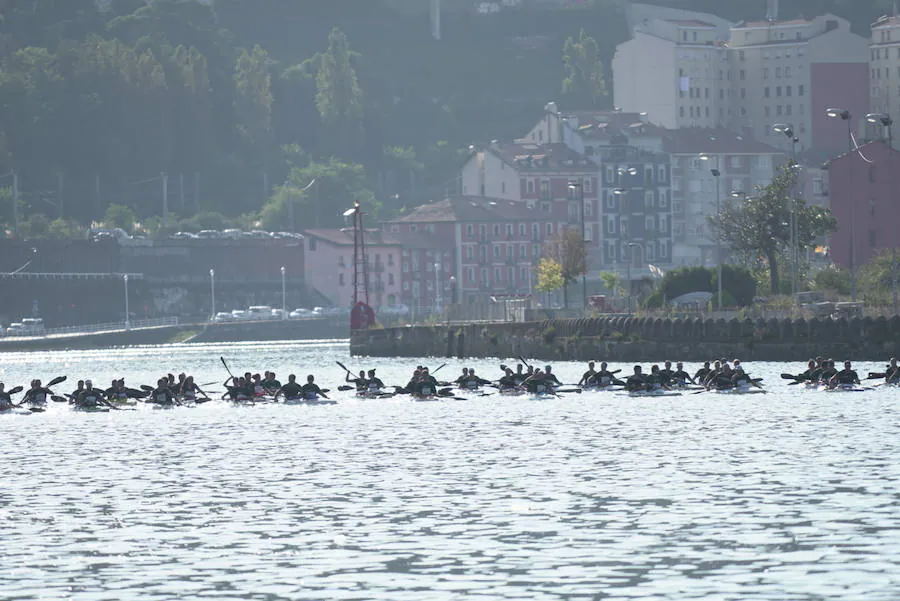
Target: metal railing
column 98, row 327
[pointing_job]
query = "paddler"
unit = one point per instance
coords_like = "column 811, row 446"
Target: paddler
column 520, row 376
column 373, row 383
column 667, row 372
column 189, row 389
column 657, row 380
column 508, row 381
column 702, row 373
column 75, row 393
column 636, row 381
column 257, row 386
column 270, row 383
column 892, row 374
column 828, row 371
column 550, row 377
column 89, row 396
column 588, row 378
column 360, row 381
column 681, row 377
column 239, row 390
column 311, row 391
column 36, row 395
column 463, row 377
column 538, row 383
column 471, row 381
column 844, row 377
column 291, row 391
column 162, row 394
column 604, row 377
column 427, row 384
column 5, row 399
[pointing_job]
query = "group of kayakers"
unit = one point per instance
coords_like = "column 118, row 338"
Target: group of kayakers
column 251, row 386
column 823, row 372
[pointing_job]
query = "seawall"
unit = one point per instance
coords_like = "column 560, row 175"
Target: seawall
column 311, row 329
column 632, row 339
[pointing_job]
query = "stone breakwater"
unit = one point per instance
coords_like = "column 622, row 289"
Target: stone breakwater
column 635, row 339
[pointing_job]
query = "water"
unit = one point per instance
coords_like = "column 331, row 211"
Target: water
column 787, row 495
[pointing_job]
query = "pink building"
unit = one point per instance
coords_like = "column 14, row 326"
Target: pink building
column 486, row 247
column 329, row 266
column 866, row 203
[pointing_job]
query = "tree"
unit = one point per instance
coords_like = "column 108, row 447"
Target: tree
column 549, row 275
column 584, row 84
column 568, row 251
column 759, row 229
column 338, row 95
column 119, row 216
column 880, row 277
column 253, row 100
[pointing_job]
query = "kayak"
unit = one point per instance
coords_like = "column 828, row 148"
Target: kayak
column 610, row 388
column 842, row 388
column 309, row 402
column 740, row 390
column 511, row 391
column 90, row 408
column 16, row 411
column 370, row 394
column 653, row 393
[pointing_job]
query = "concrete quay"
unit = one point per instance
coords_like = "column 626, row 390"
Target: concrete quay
column 635, row 339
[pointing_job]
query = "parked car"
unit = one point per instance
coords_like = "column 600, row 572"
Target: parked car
column 15, row 329
column 222, row 317
column 260, row 234
column 239, row 315
column 33, row 325
column 259, row 312
column 209, row 234
column 183, row 236
column 106, row 234
column 288, row 235
column 301, row 313
column 277, row 314
column 232, row 233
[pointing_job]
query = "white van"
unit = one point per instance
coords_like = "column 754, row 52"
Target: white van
column 260, row 312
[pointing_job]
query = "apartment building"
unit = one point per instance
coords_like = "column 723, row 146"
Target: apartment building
column 884, row 66
column 485, row 246
column 792, row 72
column 682, row 75
column 697, row 155
column 674, row 70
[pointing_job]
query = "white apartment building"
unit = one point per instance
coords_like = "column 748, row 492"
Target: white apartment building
column 791, row 72
column 742, row 165
column 766, row 72
column 675, row 71
column 884, row 66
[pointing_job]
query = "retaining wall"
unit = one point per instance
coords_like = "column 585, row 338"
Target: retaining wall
column 642, row 339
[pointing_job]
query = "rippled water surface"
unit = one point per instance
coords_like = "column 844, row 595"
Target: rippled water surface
column 787, row 495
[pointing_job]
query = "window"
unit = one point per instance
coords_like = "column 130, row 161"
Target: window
column 766, row 92
column 545, row 189
column 787, row 90
column 778, row 91
column 766, row 111
column 530, row 186
column 406, row 286
column 681, row 111
column 535, row 231
column 735, row 162
column 484, row 276
column 588, row 208
column 609, row 200
column 470, row 274
column 610, row 225
column 405, row 266
column 535, row 250
column 800, row 90
column 650, row 255
column 743, row 75
column 588, row 234
column 661, row 174
column 787, row 109
column 588, row 185
column 496, row 251
column 778, row 110
column 496, row 274
column 509, row 230
column 663, row 224
column 648, row 199
column 312, row 244
column 549, row 229
column 429, row 285
column 470, row 230
column 390, row 279
column 649, row 223
column 340, row 279
column 390, row 259
column 663, row 201
column 787, row 72
column 470, row 252
column 765, row 73
column 523, row 274
column 496, row 230
column 663, row 250
column 523, row 251
column 522, row 229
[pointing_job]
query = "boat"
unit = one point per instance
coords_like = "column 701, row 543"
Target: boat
column 315, row 401
column 739, row 390
column 17, row 411
column 511, row 391
column 609, row 388
column 842, row 388
column 372, row 394
column 90, row 408
column 653, row 393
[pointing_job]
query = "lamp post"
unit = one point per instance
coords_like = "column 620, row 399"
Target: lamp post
column 630, row 246
column 578, row 186
column 844, row 115
column 283, row 296
column 716, row 174
column 127, row 312
column 437, row 287
column 212, row 292
column 888, row 123
column 788, row 132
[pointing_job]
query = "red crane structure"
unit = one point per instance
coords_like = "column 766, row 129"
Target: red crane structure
column 362, row 316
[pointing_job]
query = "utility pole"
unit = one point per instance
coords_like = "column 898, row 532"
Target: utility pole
column 165, row 199
column 59, row 194
column 15, row 198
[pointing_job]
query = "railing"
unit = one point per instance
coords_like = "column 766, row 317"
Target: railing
column 99, row 327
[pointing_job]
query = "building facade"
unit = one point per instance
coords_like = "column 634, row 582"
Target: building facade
column 766, row 72
column 328, row 261
column 884, row 66
column 865, row 202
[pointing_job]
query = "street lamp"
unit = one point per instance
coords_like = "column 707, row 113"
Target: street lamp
column 437, row 287
column 716, row 174
column 212, row 290
column 886, row 122
column 630, row 246
column 844, row 115
column 573, row 186
column 127, row 312
column 788, row 131
column 283, row 296
column 738, row 194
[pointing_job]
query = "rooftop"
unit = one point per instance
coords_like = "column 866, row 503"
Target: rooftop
column 524, row 155
column 600, row 124
column 691, row 23
column 415, row 240
column 697, row 140
column 473, row 208
column 767, row 24
column 344, row 237
column 886, row 21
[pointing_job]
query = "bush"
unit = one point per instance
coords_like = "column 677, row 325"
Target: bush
column 684, row 280
column 738, row 286
column 833, row 278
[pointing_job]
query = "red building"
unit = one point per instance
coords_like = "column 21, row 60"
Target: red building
column 484, row 246
column 863, row 188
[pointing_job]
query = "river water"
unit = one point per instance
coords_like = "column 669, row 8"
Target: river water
column 787, row 495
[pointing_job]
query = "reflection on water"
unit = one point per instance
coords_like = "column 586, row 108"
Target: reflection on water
column 788, row 495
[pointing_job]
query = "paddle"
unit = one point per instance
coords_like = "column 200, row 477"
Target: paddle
column 15, row 390
column 790, row 377
column 345, row 388
column 226, row 367
column 575, row 390
column 209, row 383
column 438, row 368
column 59, row 399
column 344, row 367
column 56, row 381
